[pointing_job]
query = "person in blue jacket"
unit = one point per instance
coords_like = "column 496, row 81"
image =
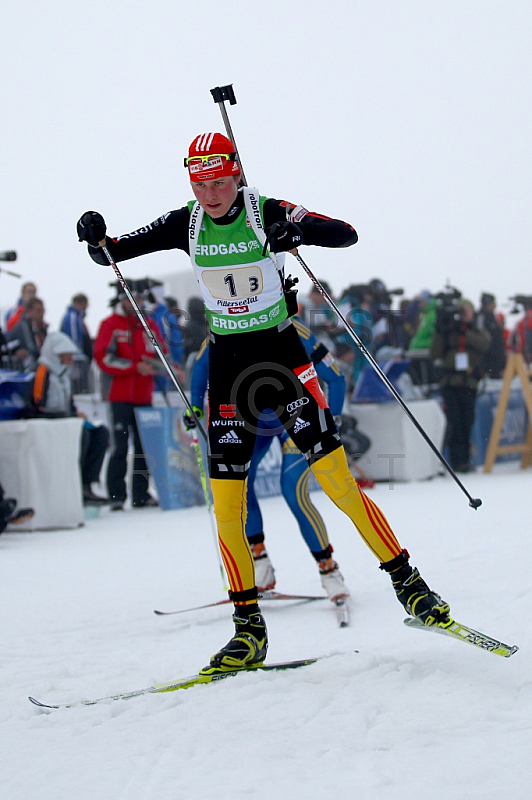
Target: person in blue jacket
column 73, row 324
column 171, row 330
column 294, row 470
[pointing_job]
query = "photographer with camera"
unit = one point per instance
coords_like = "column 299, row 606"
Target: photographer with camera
column 494, row 359
column 458, row 347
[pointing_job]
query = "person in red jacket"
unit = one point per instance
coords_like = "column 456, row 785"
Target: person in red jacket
column 124, row 351
column 522, row 336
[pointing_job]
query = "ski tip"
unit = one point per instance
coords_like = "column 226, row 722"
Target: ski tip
column 342, row 611
column 38, row 703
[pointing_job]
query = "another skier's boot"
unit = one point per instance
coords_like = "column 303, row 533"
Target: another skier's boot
column 249, row 645
column 332, row 579
column 414, row 594
column 264, row 571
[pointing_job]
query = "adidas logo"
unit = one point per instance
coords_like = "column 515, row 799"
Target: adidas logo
column 300, row 424
column 230, row 438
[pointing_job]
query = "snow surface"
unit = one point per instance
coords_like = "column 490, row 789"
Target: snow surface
column 393, row 713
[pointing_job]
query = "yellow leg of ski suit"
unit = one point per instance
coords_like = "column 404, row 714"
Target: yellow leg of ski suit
column 332, row 473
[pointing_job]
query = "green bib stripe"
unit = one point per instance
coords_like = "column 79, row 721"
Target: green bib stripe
column 241, row 288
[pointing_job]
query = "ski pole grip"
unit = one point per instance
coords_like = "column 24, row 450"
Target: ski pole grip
column 221, row 93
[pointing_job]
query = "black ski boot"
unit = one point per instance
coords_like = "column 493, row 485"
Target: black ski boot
column 249, row 645
column 414, row 594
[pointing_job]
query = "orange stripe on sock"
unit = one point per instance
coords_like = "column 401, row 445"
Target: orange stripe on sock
column 388, row 535
column 233, row 573
column 377, row 525
column 386, row 526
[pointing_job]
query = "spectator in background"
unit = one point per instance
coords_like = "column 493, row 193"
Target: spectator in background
column 522, row 335
column 177, row 336
column 459, row 346
column 410, row 316
column 29, row 333
column 195, row 326
column 14, row 314
column 426, row 311
column 383, row 330
column 506, row 332
column 423, row 308
column 346, row 356
column 321, row 318
column 494, row 359
column 52, row 397
column 168, row 324
column 356, row 304
column 73, row 324
column 123, row 351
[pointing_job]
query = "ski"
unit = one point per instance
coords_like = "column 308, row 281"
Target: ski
column 182, row 683
column 455, row 630
column 342, row 611
column 268, row 594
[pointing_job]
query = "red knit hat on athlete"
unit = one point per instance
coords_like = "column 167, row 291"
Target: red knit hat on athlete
column 211, row 156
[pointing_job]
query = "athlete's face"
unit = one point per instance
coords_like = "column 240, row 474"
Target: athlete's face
column 216, row 197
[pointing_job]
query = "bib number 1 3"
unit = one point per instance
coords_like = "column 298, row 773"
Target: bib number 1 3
column 235, row 283
column 253, row 280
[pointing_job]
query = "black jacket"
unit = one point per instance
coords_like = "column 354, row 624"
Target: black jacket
column 171, row 231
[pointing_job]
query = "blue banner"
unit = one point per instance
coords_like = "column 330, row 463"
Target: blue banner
column 171, row 459
column 514, row 429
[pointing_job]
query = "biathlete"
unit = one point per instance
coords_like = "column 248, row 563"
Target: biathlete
column 236, row 240
column 294, row 469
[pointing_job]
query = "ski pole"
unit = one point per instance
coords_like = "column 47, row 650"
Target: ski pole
column 203, row 477
column 176, row 383
column 222, row 93
column 473, row 502
column 151, row 336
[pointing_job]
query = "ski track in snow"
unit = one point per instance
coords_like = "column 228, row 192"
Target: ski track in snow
column 409, row 714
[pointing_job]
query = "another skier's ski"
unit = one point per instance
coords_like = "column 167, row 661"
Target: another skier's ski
column 463, row 633
column 269, row 594
column 342, row 611
column 183, row 683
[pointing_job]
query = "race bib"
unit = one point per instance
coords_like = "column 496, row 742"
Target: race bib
column 234, row 283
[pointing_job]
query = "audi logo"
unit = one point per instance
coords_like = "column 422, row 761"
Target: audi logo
column 297, row 404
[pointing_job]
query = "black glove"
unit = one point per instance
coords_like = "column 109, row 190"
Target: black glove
column 188, row 420
column 283, row 236
column 91, row 228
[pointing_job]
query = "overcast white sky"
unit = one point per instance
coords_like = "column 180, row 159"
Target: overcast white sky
column 408, row 118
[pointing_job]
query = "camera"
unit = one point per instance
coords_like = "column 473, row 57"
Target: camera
column 524, row 300
column 381, row 297
column 448, row 314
